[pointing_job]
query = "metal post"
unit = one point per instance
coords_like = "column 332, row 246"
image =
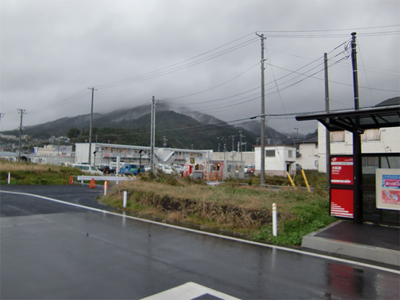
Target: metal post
column 124, row 199
column 90, row 128
column 1, row 116
column 356, row 139
column 21, row 112
column 327, row 135
column 274, row 220
column 153, row 133
column 105, row 187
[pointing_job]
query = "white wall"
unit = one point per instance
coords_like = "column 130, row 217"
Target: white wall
column 82, row 153
column 309, row 156
column 248, row 157
column 389, row 142
column 276, row 165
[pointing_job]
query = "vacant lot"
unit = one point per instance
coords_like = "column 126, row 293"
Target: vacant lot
column 230, row 208
column 234, row 208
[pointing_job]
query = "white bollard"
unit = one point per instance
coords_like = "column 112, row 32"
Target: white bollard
column 125, row 196
column 9, row 178
column 105, row 188
column 274, row 220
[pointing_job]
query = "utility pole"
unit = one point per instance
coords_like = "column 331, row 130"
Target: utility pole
column 224, row 151
column 356, row 137
column 90, row 127
column 153, row 133
column 262, row 175
column 165, row 141
column 297, row 134
column 328, row 134
column 1, row 116
column 241, row 143
column 355, row 71
column 21, row 112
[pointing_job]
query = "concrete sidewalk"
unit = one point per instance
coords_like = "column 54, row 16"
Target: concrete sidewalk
column 370, row 242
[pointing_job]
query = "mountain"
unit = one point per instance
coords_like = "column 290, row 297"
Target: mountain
column 181, row 127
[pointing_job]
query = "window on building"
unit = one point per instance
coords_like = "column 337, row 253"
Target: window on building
column 290, row 153
column 270, row 153
column 371, row 135
column 337, row 136
column 370, row 161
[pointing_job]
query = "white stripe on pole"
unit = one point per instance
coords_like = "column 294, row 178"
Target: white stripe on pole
column 125, row 196
column 8, row 180
column 274, row 220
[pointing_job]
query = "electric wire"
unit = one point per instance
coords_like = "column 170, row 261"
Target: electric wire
column 169, row 70
column 209, row 89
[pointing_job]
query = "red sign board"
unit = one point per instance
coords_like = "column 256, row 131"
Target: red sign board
column 342, row 170
column 342, row 204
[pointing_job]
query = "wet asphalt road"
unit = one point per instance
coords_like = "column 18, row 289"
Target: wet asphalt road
column 51, row 250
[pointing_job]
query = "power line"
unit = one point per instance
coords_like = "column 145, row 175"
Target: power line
column 175, row 67
column 212, row 88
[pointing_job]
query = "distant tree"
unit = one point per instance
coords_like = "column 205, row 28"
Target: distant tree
column 73, row 133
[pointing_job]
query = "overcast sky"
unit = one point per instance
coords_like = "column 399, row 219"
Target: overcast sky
column 200, row 54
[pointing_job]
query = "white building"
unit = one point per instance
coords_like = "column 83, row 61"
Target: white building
column 246, row 156
column 307, row 156
column 52, row 154
column 106, row 153
column 381, row 140
column 278, row 160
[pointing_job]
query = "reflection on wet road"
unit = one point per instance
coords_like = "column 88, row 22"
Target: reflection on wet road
column 53, row 250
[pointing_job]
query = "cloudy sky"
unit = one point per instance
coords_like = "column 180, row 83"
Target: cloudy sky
column 200, row 54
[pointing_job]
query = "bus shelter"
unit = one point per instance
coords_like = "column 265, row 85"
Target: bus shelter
column 356, row 192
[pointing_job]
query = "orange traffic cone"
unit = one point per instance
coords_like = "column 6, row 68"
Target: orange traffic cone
column 92, row 184
column 71, row 180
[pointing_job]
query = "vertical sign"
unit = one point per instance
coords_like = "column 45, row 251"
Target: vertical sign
column 341, row 191
column 342, row 170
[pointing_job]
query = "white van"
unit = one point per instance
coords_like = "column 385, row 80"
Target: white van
column 88, row 169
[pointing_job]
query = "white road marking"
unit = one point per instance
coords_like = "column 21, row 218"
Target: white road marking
column 189, row 291
column 347, row 261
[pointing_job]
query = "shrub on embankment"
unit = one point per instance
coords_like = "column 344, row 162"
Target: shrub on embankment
column 34, row 174
column 239, row 210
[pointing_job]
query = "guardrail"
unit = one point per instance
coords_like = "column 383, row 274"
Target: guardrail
column 83, row 178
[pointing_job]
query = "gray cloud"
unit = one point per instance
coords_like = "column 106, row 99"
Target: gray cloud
column 52, row 51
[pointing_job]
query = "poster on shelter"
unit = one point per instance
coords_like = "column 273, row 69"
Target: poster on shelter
column 388, row 189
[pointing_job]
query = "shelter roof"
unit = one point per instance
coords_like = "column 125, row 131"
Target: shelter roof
column 357, row 120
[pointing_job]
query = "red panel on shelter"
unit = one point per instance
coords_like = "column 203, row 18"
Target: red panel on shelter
column 342, row 170
column 342, row 203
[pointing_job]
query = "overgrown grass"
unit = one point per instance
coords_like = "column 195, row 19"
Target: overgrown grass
column 244, row 210
column 33, row 174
